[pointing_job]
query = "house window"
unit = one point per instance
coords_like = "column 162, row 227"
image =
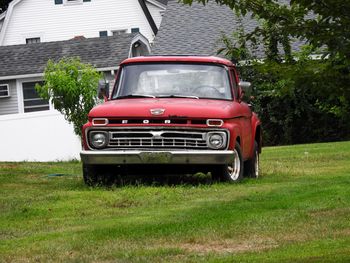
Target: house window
column 32, row 40
column 60, row 2
column 4, row 91
column 119, row 32
column 103, row 33
column 135, row 30
column 31, row 100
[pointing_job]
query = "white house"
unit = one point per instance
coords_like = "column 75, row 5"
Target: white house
column 100, row 32
column 31, row 21
column 30, row 129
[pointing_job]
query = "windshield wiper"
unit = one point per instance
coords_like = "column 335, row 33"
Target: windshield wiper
column 178, row 96
column 136, row 96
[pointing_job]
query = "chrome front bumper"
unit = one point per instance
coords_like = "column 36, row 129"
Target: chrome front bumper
column 157, row 157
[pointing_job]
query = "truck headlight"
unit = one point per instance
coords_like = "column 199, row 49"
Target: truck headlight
column 216, row 140
column 99, row 139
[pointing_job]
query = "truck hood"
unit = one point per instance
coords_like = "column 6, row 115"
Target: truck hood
column 173, row 107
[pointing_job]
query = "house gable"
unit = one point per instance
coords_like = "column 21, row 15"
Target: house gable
column 156, row 10
column 55, row 22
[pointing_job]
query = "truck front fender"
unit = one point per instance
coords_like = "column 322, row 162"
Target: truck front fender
column 256, row 133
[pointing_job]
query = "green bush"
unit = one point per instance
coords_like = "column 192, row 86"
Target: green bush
column 300, row 97
column 302, row 101
column 71, row 87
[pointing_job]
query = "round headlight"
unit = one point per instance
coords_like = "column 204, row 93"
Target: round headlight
column 216, row 140
column 99, row 140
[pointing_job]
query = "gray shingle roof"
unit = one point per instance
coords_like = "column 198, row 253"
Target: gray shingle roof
column 198, row 29
column 32, row 58
column 164, row 2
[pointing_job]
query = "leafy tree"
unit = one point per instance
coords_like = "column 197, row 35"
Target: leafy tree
column 71, row 87
column 322, row 23
column 299, row 99
column 3, row 5
column 295, row 103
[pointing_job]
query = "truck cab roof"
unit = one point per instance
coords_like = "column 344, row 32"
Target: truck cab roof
column 180, row 58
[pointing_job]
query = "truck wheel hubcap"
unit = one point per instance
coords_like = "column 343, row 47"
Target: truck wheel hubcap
column 235, row 168
column 256, row 165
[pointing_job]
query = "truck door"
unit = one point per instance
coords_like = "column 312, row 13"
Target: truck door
column 245, row 118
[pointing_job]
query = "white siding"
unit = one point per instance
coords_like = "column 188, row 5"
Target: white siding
column 50, row 138
column 9, row 105
column 42, row 18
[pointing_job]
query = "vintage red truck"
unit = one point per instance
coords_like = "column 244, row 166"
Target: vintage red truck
column 174, row 113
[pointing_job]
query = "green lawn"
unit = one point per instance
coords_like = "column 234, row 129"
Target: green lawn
column 298, row 211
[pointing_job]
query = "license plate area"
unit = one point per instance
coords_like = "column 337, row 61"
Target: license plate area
column 155, row 157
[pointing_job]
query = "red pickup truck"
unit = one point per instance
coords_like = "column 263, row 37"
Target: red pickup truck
column 172, row 113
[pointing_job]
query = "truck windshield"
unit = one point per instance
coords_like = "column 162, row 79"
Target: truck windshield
column 173, row 80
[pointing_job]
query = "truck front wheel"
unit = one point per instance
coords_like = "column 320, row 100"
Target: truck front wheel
column 232, row 172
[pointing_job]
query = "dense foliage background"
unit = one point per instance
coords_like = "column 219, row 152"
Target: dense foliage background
column 304, row 96
column 303, row 101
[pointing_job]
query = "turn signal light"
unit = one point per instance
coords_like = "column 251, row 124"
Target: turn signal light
column 99, row 122
column 214, row 123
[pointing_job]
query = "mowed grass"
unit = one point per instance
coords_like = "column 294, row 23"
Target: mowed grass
column 298, row 211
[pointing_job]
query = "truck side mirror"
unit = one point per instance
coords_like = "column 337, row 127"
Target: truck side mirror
column 103, row 89
column 246, row 88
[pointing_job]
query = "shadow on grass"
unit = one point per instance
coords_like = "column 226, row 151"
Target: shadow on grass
column 157, row 179
column 114, row 179
column 152, row 175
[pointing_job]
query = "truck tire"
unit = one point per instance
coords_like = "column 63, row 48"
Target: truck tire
column 251, row 167
column 232, row 173
column 95, row 175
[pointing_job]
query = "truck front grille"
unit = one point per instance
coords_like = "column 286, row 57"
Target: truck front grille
column 157, row 139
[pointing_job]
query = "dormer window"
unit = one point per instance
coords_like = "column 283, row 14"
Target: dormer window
column 33, row 40
column 103, row 34
column 119, row 32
